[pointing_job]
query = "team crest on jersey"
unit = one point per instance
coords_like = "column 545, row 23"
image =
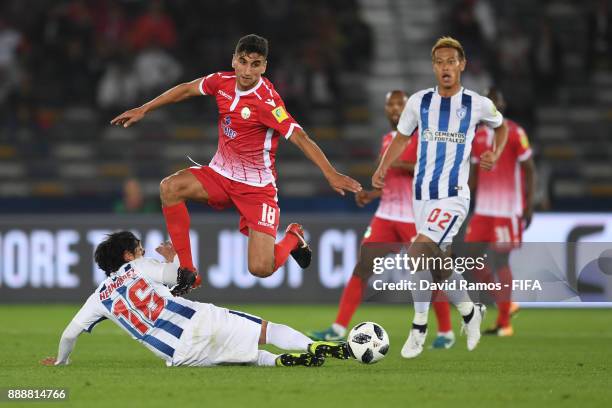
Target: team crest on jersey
column 245, row 113
column 280, row 114
column 461, row 112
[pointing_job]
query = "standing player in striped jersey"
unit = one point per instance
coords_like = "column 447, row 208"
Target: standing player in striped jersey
column 446, row 117
column 393, row 222
column 504, row 208
column 252, row 118
column 135, row 296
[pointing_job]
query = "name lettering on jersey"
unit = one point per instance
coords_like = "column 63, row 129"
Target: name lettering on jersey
column 439, row 136
column 280, row 114
column 461, row 112
column 227, row 130
column 245, row 113
column 225, row 95
column 271, row 102
column 110, row 288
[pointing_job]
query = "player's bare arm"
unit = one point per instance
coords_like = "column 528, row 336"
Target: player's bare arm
column 529, row 168
column 403, row 165
column 489, row 158
column 173, row 95
column 394, row 151
column 339, row 182
column 166, row 249
column 365, row 197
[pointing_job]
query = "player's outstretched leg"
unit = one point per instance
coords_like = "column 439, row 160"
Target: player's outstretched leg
column 267, row 359
column 287, row 338
column 299, row 359
column 322, row 349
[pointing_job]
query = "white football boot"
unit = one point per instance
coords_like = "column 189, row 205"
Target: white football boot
column 472, row 328
column 414, row 345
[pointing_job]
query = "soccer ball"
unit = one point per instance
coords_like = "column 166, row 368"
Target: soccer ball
column 368, row 342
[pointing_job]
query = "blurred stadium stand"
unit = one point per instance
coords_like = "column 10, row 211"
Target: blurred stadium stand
column 68, row 67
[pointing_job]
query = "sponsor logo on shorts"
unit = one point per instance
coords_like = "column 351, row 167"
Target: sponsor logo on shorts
column 265, row 224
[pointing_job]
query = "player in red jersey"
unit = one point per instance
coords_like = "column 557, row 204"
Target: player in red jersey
column 504, row 208
column 252, row 118
column 392, row 223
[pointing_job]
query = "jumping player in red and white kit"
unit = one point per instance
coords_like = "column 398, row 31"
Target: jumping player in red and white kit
column 392, row 223
column 252, row 119
column 504, row 207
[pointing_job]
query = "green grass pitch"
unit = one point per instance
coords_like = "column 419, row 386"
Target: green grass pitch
column 560, row 358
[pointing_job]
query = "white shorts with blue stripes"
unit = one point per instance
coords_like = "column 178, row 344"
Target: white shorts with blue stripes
column 440, row 220
column 219, row 336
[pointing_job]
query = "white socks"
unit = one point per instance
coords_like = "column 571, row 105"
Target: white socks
column 286, row 338
column 459, row 297
column 266, row 359
column 421, row 299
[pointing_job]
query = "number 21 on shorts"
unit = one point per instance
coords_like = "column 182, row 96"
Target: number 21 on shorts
column 268, row 214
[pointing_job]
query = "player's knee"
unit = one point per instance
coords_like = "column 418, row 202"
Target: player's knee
column 168, row 188
column 260, row 269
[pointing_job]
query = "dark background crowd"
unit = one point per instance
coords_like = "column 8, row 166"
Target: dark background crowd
column 67, row 67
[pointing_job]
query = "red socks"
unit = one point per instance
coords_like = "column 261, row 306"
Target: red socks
column 350, row 300
column 283, row 248
column 177, row 223
column 504, row 298
column 442, row 309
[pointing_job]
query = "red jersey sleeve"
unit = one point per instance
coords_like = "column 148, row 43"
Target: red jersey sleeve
column 274, row 115
column 210, row 84
column 410, row 152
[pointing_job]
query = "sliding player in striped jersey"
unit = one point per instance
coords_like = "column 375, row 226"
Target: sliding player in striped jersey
column 136, row 297
column 446, row 117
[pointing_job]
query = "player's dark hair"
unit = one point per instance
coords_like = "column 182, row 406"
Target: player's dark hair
column 109, row 254
column 252, row 43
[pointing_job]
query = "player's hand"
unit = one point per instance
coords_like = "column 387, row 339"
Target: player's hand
column 488, row 160
column 527, row 216
column 49, row 361
column 166, row 249
column 127, row 118
column 378, row 179
column 341, row 183
column 363, row 198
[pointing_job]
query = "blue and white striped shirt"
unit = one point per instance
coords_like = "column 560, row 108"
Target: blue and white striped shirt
column 446, row 130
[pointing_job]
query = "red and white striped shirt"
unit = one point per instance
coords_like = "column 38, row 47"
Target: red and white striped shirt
column 250, row 123
column 500, row 191
column 396, row 201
